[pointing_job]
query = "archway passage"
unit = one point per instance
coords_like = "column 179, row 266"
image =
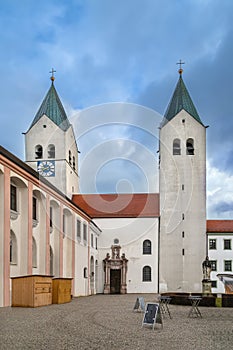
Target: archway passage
column 115, row 281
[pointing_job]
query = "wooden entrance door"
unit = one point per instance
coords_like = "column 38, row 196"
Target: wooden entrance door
column 115, row 281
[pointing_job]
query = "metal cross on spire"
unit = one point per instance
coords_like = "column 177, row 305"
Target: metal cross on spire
column 52, row 72
column 180, row 63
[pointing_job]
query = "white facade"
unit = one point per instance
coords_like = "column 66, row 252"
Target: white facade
column 131, row 233
column 221, row 257
column 182, row 204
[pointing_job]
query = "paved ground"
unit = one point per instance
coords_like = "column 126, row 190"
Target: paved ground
column 108, row 322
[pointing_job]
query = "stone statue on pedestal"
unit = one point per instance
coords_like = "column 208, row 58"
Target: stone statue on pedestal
column 206, row 282
column 206, row 269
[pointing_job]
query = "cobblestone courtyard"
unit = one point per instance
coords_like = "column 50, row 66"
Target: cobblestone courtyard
column 108, row 322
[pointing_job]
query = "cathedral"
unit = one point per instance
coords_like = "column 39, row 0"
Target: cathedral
column 110, row 243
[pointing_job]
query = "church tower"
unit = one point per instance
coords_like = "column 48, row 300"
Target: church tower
column 50, row 144
column 182, row 194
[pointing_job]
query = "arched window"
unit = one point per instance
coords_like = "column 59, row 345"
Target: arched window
column 70, row 158
column 146, row 274
column 34, row 253
column 92, row 265
column 176, row 147
column 147, row 247
column 51, row 151
column 190, row 147
column 38, row 152
column 74, row 163
column 85, row 272
column 13, row 248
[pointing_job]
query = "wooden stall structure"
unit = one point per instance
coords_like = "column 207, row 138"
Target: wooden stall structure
column 61, row 290
column 31, row 291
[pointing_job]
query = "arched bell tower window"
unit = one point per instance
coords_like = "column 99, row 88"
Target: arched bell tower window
column 38, row 152
column 176, row 147
column 190, row 147
column 51, row 151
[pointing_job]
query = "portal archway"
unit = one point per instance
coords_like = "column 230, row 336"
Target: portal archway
column 115, row 269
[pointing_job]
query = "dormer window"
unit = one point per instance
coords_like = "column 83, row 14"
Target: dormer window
column 190, row 147
column 176, row 147
column 38, row 152
column 51, row 151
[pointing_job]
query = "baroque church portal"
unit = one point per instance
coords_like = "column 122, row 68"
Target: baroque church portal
column 107, row 243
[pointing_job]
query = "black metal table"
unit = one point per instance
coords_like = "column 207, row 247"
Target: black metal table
column 194, row 311
column 164, row 301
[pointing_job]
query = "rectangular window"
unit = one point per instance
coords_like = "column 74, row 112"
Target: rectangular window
column 214, row 284
column 13, row 203
column 213, row 265
column 92, row 240
column 182, row 251
column 183, row 234
column 85, row 232
column 78, row 229
column 96, row 243
column 34, row 208
column 51, row 217
column 11, row 251
column 182, row 216
column 64, row 223
column 227, row 265
column 212, row 244
column 227, row 244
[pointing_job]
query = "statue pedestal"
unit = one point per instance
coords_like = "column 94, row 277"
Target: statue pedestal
column 206, row 287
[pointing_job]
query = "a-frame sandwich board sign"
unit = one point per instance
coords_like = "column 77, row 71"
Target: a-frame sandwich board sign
column 152, row 315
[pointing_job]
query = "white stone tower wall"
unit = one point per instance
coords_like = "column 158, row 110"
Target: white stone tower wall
column 44, row 133
column 183, row 205
column 72, row 179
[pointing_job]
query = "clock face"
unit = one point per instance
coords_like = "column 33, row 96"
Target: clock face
column 46, row 168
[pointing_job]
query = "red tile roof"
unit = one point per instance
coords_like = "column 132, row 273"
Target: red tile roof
column 118, row 205
column 221, row 226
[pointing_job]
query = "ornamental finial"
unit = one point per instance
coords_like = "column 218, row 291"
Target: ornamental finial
column 52, row 77
column 180, row 71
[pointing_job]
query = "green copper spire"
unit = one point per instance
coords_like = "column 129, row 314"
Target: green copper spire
column 52, row 107
column 180, row 100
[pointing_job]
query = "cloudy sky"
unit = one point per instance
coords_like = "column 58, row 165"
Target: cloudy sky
column 116, row 70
